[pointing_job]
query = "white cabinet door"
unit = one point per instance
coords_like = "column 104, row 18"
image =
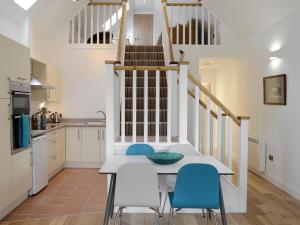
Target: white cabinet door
column 17, row 60
column 91, row 147
column 53, row 78
column 103, row 144
column 5, row 154
column 21, row 173
column 4, row 73
column 73, row 144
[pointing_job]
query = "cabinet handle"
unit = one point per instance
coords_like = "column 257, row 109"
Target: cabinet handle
column 78, row 134
column 54, row 141
column 54, row 157
column 102, row 134
column 31, row 158
column 20, row 78
column 9, row 117
column 98, row 134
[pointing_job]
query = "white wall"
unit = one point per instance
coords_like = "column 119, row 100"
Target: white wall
column 15, row 30
column 279, row 125
column 83, row 76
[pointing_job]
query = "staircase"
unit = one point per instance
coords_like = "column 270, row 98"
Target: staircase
column 137, row 55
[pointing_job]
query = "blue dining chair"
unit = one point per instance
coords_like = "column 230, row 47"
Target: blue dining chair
column 197, row 187
column 140, row 149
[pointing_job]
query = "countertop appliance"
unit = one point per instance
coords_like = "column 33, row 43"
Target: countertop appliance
column 40, row 164
column 19, row 105
column 55, row 117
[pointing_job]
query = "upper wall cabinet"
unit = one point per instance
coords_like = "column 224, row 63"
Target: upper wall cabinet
column 14, row 64
column 50, row 77
column 53, row 78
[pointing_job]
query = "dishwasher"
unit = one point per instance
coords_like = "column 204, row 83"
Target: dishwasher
column 39, row 164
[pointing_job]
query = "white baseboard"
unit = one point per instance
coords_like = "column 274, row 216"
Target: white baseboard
column 283, row 185
column 13, row 205
column 95, row 165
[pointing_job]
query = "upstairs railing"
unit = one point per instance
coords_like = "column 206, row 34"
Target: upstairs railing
column 191, row 24
column 96, row 24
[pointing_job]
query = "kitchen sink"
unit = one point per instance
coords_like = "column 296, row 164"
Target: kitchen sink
column 95, row 123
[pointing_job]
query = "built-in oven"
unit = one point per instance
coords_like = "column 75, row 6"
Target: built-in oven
column 20, row 106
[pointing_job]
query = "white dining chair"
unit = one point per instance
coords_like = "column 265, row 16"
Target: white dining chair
column 136, row 186
column 185, row 149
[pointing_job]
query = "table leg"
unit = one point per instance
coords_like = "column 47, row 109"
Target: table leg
column 110, row 200
column 222, row 207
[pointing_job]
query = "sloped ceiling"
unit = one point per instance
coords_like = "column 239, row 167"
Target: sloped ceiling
column 246, row 17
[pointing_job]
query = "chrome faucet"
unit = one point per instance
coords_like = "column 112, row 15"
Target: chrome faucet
column 103, row 114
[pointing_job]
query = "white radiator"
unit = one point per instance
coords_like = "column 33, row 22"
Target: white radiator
column 257, row 155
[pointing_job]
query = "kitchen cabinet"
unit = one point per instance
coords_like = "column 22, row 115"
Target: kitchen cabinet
column 21, row 173
column 56, row 151
column 14, row 64
column 103, row 144
column 5, row 154
column 53, row 78
column 91, row 144
column 85, row 146
column 73, row 144
column 49, row 75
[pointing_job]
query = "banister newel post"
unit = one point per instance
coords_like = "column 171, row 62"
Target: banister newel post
column 243, row 163
column 183, row 102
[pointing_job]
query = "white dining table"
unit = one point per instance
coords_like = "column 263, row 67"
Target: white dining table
column 111, row 165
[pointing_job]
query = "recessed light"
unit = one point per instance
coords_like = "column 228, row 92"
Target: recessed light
column 25, row 4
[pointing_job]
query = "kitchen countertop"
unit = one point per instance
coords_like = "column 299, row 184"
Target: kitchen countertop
column 56, row 126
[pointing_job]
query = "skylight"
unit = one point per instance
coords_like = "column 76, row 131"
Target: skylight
column 25, row 4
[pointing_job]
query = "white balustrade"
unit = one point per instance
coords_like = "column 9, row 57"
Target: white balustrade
column 188, row 21
column 101, row 22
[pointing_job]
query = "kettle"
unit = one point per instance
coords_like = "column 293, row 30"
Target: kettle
column 55, row 117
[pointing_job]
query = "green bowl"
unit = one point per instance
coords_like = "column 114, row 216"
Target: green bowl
column 165, row 158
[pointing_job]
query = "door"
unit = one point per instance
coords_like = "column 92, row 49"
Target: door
column 4, row 77
column 53, row 78
column 21, row 173
column 5, row 154
column 143, row 29
column 103, row 144
column 91, row 148
column 73, row 144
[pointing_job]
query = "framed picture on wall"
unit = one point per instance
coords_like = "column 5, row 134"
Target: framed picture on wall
column 275, row 90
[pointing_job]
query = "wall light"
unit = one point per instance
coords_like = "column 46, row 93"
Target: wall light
column 25, row 4
column 275, row 55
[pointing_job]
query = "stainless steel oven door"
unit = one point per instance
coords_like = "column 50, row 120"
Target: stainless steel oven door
column 20, row 103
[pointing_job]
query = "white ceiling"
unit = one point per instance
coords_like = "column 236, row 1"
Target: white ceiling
column 246, row 17
column 143, row 5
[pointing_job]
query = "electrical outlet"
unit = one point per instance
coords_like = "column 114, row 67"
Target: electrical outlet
column 271, row 158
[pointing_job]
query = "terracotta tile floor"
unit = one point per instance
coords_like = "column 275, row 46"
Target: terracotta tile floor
column 71, row 192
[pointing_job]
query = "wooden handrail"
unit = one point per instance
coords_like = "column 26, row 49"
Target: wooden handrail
column 167, row 27
column 104, row 3
column 141, row 68
column 183, row 4
column 121, row 31
column 215, row 100
column 213, row 113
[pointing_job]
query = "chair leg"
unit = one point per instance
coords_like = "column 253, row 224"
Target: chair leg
column 157, row 216
column 169, row 220
column 216, row 218
column 207, row 217
column 203, row 213
column 116, row 219
column 163, row 208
